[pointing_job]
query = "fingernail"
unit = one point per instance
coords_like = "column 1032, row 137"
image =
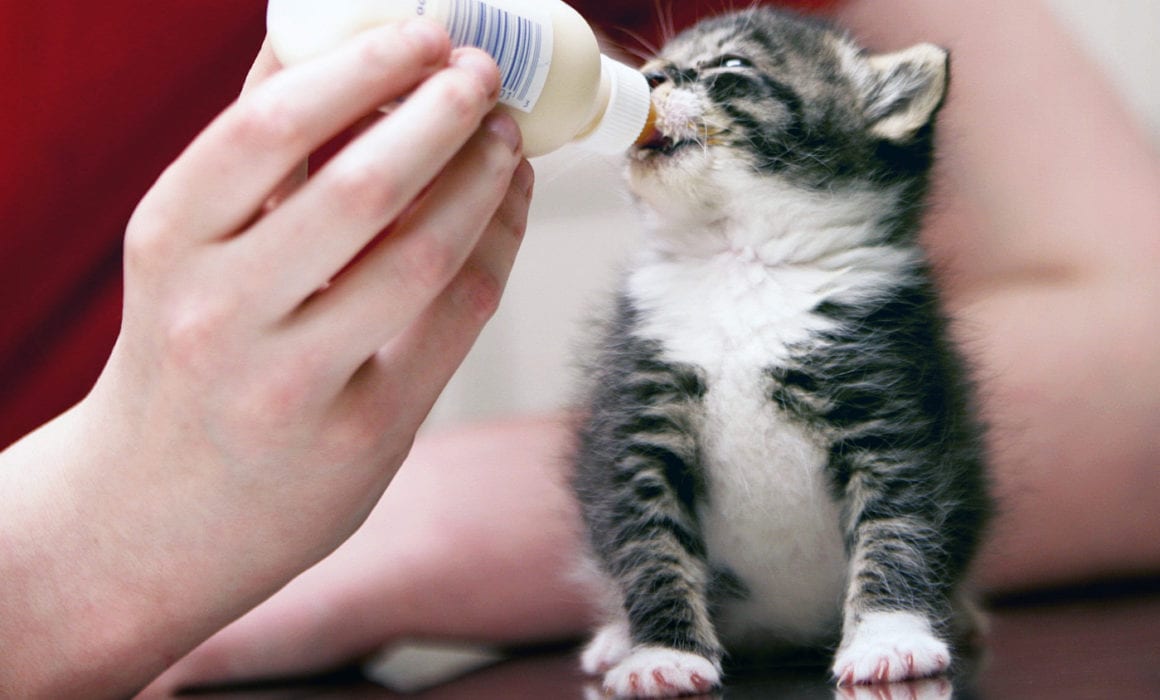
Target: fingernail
column 482, row 65
column 503, row 126
column 430, row 37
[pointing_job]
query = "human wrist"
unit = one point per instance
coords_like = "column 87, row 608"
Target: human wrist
column 111, row 573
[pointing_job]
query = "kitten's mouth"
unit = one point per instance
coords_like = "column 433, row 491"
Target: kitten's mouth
column 661, row 144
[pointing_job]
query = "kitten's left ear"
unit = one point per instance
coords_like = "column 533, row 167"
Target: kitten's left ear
column 906, row 89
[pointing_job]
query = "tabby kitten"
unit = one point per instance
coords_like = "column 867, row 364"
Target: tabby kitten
column 780, row 448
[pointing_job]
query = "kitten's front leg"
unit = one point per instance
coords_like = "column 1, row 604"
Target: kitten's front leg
column 665, row 644
column 638, row 490
column 894, row 605
column 914, row 503
column 656, row 669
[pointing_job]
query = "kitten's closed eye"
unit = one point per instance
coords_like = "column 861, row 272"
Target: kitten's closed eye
column 728, row 61
column 725, row 62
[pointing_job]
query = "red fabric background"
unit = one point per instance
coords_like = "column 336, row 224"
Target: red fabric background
column 96, row 98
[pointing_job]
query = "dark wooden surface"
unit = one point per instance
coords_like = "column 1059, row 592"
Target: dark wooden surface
column 1102, row 645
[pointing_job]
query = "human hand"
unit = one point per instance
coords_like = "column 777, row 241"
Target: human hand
column 276, row 356
column 245, row 350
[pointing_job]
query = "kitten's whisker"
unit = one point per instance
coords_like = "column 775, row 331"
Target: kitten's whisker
column 647, row 50
column 666, row 24
column 754, row 6
column 725, row 6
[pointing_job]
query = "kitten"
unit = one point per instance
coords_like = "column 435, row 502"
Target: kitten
column 780, row 447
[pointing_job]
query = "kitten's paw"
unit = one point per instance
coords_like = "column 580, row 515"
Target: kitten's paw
column 610, row 645
column 659, row 672
column 890, row 647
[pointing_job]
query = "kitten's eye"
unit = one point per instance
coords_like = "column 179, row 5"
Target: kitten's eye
column 730, row 61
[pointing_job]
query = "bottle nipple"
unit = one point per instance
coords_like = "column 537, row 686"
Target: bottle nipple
column 650, row 132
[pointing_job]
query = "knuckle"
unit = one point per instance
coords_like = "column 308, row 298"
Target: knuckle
column 362, row 188
column 478, row 292
column 377, row 53
column 462, row 96
column 267, row 120
column 194, row 335
column 429, row 263
column 148, row 243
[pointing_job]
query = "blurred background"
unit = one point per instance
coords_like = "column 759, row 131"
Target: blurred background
column 96, row 99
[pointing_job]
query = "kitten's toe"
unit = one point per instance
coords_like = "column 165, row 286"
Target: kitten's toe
column 890, row 647
column 611, row 644
column 659, row 672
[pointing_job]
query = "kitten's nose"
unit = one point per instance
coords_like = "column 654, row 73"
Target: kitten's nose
column 656, row 78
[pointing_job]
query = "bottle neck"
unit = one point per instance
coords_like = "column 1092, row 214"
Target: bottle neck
column 621, row 111
column 599, row 106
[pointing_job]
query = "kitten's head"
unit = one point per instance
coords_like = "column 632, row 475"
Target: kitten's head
column 762, row 95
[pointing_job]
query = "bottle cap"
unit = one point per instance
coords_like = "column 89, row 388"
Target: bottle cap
column 629, row 101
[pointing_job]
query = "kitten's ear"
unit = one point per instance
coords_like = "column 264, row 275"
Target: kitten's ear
column 906, row 89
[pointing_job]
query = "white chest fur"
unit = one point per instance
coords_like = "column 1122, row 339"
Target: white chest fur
column 734, row 300
column 769, row 517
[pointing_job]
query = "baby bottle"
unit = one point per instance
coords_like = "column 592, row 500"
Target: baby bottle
column 555, row 83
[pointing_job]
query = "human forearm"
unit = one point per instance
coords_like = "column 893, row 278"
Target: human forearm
column 1075, row 419
column 103, row 585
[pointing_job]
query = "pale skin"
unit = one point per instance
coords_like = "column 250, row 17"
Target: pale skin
column 258, row 402
column 1048, row 255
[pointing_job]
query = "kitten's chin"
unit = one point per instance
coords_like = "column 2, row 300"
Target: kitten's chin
column 685, row 183
column 674, row 194
column 671, row 167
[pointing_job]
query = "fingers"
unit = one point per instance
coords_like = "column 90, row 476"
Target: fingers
column 427, row 169
column 265, row 65
column 386, row 290
column 225, row 176
column 413, row 369
column 372, row 181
